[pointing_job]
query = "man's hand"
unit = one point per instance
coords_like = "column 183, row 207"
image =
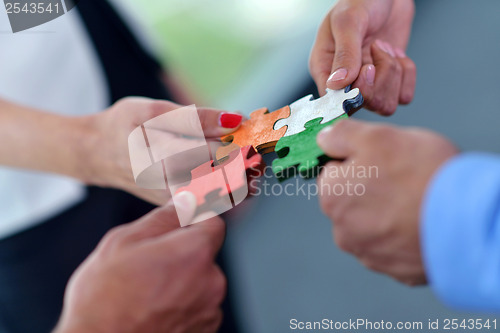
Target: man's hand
column 363, row 42
column 105, row 156
column 150, row 276
column 387, row 171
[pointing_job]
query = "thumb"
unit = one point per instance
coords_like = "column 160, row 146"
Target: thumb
column 348, row 54
column 340, row 140
column 163, row 219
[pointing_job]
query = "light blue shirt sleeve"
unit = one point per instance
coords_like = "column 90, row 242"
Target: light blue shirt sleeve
column 460, row 232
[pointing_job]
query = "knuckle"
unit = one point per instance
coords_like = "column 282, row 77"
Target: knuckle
column 409, row 282
column 130, row 102
column 312, row 65
column 200, row 120
column 337, row 214
column 327, row 204
column 219, row 287
column 390, row 108
column 406, row 98
column 202, row 117
column 376, row 103
column 410, row 68
column 371, row 265
column 344, row 55
column 126, row 100
column 156, row 107
column 344, row 16
column 381, row 134
column 342, row 241
column 113, row 237
column 396, row 67
column 215, row 322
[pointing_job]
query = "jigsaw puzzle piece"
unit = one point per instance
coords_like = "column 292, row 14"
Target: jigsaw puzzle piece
column 243, row 168
column 329, row 107
column 207, row 182
column 301, row 152
column 225, row 184
column 258, row 131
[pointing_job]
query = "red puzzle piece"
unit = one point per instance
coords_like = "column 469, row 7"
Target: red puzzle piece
column 227, row 181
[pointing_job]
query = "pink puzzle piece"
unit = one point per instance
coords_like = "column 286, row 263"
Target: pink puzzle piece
column 226, row 183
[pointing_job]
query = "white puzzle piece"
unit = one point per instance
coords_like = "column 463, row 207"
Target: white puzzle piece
column 328, row 107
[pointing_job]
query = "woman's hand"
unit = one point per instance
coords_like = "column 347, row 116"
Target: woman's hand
column 363, row 42
column 94, row 149
column 105, row 159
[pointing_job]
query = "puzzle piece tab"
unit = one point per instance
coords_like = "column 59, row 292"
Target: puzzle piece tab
column 257, row 131
column 329, row 107
column 225, row 183
column 301, row 152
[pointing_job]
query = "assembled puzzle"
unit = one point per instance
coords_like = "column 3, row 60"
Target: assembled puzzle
column 290, row 131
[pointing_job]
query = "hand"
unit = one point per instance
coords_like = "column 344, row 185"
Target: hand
column 105, row 159
column 363, row 43
column 383, row 177
column 150, row 276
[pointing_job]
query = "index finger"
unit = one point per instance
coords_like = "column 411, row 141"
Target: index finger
column 206, row 237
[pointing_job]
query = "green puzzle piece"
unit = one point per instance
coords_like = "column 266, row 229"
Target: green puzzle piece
column 301, row 152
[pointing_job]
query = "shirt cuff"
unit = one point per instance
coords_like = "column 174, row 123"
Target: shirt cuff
column 460, row 232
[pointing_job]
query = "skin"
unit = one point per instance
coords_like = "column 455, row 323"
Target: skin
column 381, row 227
column 367, row 39
column 150, row 276
column 92, row 149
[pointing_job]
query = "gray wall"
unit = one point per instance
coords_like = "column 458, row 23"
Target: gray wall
column 283, row 263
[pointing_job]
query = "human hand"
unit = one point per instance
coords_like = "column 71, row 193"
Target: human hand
column 383, row 177
column 105, row 159
column 363, row 43
column 150, row 276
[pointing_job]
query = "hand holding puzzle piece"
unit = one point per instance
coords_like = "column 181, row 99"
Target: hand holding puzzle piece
column 291, row 130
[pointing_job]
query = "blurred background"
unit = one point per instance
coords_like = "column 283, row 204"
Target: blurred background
column 246, row 54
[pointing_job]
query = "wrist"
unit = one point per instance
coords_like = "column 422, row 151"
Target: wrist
column 84, row 139
column 97, row 153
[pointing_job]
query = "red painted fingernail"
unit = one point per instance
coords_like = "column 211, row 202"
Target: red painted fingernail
column 230, row 120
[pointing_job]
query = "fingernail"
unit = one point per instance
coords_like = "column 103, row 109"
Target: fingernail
column 399, row 53
column 338, row 75
column 230, row 120
column 185, row 206
column 370, row 75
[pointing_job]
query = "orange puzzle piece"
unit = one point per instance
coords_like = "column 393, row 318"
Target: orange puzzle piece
column 258, row 131
column 227, row 181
